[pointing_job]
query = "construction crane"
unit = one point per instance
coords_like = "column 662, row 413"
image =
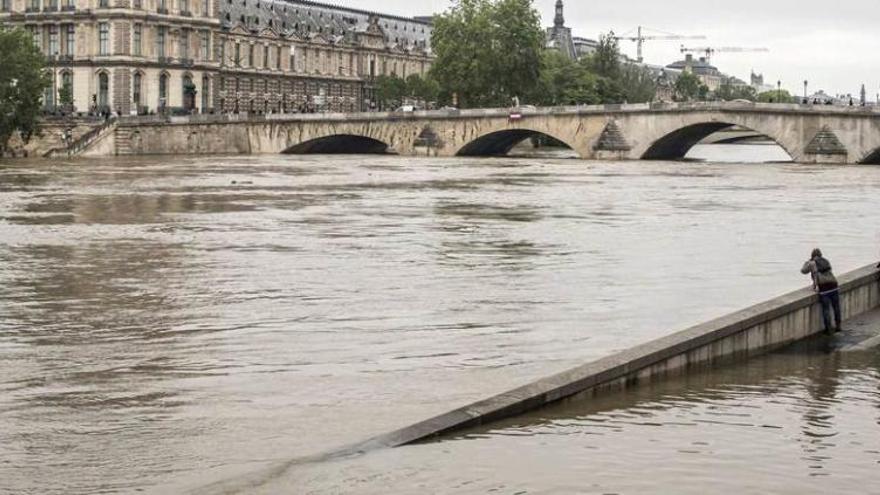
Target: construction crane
column 709, row 51
column 640, row 39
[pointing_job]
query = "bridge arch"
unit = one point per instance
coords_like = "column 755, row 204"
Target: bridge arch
column 872, row 158
column 500, row 142
column 340, row 144
column 675, row 144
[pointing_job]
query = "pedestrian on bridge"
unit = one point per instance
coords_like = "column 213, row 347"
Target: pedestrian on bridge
column 825, row 283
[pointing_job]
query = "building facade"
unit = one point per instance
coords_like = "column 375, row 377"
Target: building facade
column 146, row 56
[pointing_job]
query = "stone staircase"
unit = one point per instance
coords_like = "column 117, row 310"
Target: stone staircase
column 123, row 140
column 80, row 145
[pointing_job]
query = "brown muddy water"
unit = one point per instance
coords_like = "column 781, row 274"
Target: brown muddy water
column 171, row 322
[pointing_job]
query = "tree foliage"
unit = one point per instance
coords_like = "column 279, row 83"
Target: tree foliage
column 774, row 96
column 392, row 91
column 603, row 77
column 488, row 51
column 389, row 91
column 688, row 87
column 729, row 91
column 22, row 82
column 565, row 82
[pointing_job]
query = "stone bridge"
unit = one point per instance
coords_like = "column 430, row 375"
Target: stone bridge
column 658, row 131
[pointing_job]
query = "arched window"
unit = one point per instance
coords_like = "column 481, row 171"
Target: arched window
column 163, row 91
column 65, row 93
column 206, row 84
column 103, row 90
column 189, row 93
column 136, row 91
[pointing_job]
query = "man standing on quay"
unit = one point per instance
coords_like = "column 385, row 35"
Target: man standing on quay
column 825, row 283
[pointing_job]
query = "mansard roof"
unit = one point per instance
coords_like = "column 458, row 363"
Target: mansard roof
column 304, row 18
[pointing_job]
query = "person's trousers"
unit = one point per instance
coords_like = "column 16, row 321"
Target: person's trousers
column 830, row 302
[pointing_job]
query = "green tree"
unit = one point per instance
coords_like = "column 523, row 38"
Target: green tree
column 565, row 82
column 688, row 87
column 729, row 91
column 638, row 84
column 488, row 51
column 422, row 89
column 389, row 91
column 22, row 82
column 776, row 97
column 605, row 61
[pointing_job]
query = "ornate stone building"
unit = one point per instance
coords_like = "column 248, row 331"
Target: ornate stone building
column 123, row 55
column 145, row 56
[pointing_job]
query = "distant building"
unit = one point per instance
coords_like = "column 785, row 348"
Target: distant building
column 559, row 37
column 140, row 56
column 706, row 72
column 757, row 82
column 584, row 47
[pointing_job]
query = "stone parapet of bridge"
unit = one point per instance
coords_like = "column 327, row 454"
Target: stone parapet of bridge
column 661, row 131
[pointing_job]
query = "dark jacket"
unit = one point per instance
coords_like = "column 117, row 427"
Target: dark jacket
column 823, row 277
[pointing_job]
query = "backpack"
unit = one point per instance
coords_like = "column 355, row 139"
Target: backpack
column 825, row 279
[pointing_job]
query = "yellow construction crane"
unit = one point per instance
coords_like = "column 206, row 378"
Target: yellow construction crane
column 709, row 51
column 639, row 38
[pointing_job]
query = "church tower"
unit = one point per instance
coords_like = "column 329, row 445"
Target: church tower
column 559, row 37
column 559, row 21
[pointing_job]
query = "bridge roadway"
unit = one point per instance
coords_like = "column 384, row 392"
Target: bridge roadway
column 659, row 131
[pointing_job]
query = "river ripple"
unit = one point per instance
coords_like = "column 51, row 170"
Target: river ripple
column 168, row 322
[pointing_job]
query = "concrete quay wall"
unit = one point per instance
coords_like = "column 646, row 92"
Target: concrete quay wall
column 736, row 337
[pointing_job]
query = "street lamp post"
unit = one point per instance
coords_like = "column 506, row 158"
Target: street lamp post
column 805, row 89
column 778, row 91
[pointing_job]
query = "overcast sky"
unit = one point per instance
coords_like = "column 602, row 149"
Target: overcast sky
column 834, row 45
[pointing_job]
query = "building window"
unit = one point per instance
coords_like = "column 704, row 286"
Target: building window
column 184, row 43
column 138, row 4
column 136, row 87
column 292, row 59
column 49, row 97
column 265, row 57
column 237, row 60
column 103, row 38
column 206, row 45
column 103, row 90
column 206, row 8
column 163, row 91
column 5, row 5
column 53, row 4
column 137, row 39
column 35, row 5
column 67, row 83
column 160, row 41
column 206, row 84
column 162, row 6
column 53, row 40
column 184, row 5
column 278, row 59
column 69, row 40
column 222, row 53
column 70, row 4
column 250, row 61
column 104, row 3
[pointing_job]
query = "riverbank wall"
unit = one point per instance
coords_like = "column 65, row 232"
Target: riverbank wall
column 753, row 331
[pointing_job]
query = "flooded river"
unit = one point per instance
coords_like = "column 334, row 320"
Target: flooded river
column 171, row 322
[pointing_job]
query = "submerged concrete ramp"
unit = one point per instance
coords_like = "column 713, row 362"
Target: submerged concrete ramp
column 736, row 337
